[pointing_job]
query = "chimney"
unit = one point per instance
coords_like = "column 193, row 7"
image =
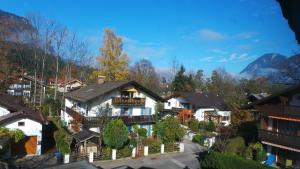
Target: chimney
column 100, row 79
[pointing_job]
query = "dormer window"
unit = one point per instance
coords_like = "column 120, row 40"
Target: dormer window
column 21, row 123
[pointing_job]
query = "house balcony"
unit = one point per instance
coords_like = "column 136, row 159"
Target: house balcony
column 282, row 140
column 128, row 120
column 123, row 101
column 292, row 112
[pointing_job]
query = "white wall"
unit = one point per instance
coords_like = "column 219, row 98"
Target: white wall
column 175, row 102
column 199, row 115
column 3, row 111
column 31, row 128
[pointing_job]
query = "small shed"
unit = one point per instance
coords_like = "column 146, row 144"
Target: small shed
column 85, row 141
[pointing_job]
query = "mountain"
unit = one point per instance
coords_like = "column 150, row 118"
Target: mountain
column 276, row 67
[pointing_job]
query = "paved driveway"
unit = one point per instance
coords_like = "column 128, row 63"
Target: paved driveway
column 167, row 161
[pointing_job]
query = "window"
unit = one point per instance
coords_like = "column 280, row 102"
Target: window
column 169, row 103
column 225, row 118
column 21, row 123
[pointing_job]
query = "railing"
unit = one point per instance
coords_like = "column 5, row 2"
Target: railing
column 128, row 120
column 280, row 111
column 123, row 101
column 282, row 139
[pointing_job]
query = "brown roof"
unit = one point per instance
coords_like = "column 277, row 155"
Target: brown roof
column 93, row 91
column 18, row 110
column 285, row 92
column 202, row 99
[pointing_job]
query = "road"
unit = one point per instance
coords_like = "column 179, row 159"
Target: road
column 176, row 160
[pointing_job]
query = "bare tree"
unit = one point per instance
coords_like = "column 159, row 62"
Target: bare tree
column 35, row 21
column 47, row 35
column 58, row 41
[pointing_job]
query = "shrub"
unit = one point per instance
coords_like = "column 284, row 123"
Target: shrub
column 208, row 126
column 124, row 152
column 115, row 134
column 236, row 146
column 153, row 144
column 169, row 130
column 194, row 125
column 142, row 132
column 216, row 160
column 211, row 126
column 199, row 139
column 256, row 152
column 261, row 156
column 106, row 153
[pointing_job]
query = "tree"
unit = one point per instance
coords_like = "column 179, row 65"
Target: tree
column 144, row 73
column 199, row 80
column 113, row 62
column 115, row 134
column 194, row 125
column 169, row 130
column 182, row 82
column 59, row 40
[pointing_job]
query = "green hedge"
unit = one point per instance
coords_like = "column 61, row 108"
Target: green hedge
column 215, row 160
column 124, row 152
column 106, row 153
column 198, row 138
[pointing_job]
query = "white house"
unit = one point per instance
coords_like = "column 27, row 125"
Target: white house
column 14, row 115
column 127, row 100
column 205, row 106
column 68, row 86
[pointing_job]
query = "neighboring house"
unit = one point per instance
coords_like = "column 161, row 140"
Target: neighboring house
column 204, row 106
column 280, row 125
column 127, row 100
column 23, row 85
column 67, row 86
column 15, row 115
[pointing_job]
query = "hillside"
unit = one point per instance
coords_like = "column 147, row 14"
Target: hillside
column 276, row 67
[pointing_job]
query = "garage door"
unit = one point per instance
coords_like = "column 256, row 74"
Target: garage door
column 26, row 146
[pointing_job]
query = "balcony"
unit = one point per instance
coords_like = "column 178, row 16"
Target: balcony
column 123, row 101
column 282, row 139
column 280, row 111
column 128, row 120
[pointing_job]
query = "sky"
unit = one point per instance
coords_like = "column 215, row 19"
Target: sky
column 200, row 34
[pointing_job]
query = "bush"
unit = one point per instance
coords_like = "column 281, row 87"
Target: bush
column 199, row 139
column 211, row 126
column 142, row 132
column 153, row 144
column 169, row 130
column 124, row 152
column 236, row 146
column 106, row 153
column 208, row 126
column 194, row 125
column 256, row 152
column 115, row 134
column 261, row 156
column 216, row 160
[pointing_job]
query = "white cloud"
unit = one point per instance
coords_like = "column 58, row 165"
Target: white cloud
column 206, row 59
column 235, row 57
column 217, row 51
column 209, row 34
column 139, row 50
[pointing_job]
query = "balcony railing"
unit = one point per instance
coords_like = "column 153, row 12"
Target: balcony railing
column 281, row 111
column 128, row 120
column 123, row 101
column 287, row 140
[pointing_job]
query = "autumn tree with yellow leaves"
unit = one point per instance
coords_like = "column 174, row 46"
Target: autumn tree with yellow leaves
column 113, row 62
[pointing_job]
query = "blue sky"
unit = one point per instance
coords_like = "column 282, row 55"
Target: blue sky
column 200, row 34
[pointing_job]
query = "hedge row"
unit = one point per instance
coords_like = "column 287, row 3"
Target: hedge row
column 215, row 160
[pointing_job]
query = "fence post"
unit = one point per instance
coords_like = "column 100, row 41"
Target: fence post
column 91, row 157
column 133, row 152
column 67, row 158
column 181, row 147
column 162, row 148
column 114, row 154
column 146, row 151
